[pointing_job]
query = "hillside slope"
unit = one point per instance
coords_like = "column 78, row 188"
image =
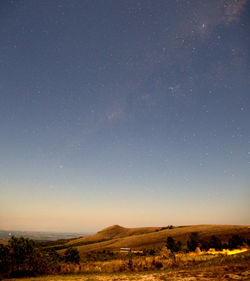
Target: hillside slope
column 112, row 232
column 116, row 237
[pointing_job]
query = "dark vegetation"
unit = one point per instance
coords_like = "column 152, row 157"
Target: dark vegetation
column 72, row 255
column 193, row 242
column 172, row 245
column 165, row 227
column 214, row 242
column 24, row 257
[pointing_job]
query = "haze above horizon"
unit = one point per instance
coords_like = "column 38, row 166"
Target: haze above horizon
column 128, row 112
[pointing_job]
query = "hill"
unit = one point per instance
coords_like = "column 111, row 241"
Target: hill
column 113, row 232
column 115, row 237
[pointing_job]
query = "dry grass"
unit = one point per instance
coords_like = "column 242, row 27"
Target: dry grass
column 113, row 232
column 232, row 268
column 116, row 237
column 164, row 261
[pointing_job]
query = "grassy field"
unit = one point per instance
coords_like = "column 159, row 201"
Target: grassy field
column 115, row 237
column 204, row 268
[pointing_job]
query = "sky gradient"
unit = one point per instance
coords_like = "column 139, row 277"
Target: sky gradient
column 124, row 112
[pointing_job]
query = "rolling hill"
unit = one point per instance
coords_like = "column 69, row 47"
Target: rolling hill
column 115, row 237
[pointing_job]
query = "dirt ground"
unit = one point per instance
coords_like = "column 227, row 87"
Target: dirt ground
column 214, row 273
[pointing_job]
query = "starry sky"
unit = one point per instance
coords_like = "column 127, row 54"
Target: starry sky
column 131, row 112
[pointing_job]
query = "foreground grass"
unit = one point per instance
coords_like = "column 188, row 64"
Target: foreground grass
column 235, row 267
column 219, row 273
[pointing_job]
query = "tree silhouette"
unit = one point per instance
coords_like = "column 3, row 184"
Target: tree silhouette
column 72, row 255
column 193, row 241
column 215, row 243
column 172, row 245
column 22, row 251
column 235, row 242
column 26, row 258
column 5, row 260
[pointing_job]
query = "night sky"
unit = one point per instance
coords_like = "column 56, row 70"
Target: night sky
column 124, row 112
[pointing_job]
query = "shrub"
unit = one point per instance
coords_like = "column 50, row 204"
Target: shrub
column 235, row 242
column 72, row 255
column 158, row 265
column 198, row 251
column 21, row 252
column 22, row 257
column 152, row 252
column 193, row 241
column 165, row 253
column 215, row 243
column 5, row 261
column 172, row 246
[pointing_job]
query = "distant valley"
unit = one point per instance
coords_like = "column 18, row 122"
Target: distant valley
column 41, row 235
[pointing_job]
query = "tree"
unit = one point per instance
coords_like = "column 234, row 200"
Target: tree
column 172, row 245
column 72, row 255
column 235, row 242
column 193, row 241
column 22, row 251
column 5, row 260
column 215, row 243
column 178, row 246
column 28, row 259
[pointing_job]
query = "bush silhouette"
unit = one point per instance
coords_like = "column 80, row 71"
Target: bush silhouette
column 22, row 257
column 172, row 245
column 72, row 255
column 215, row 243
column 235, row 242
column 193, row 241
column 22, row 251
column 5, row 261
